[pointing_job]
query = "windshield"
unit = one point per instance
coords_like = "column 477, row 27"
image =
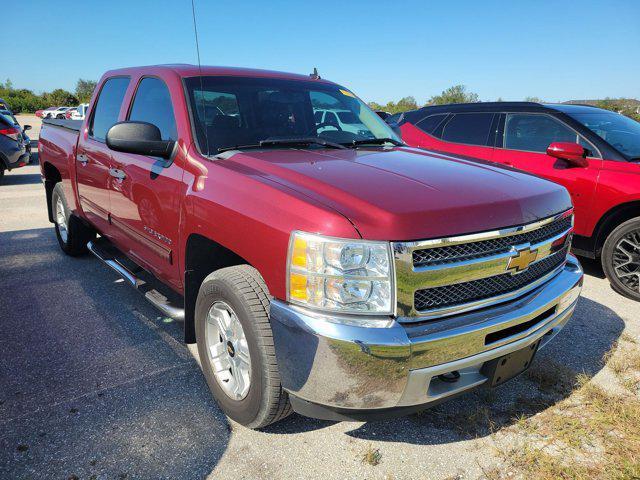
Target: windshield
column 619, row 131
column 237, row 111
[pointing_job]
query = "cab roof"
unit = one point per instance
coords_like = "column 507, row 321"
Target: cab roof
column 188, row 70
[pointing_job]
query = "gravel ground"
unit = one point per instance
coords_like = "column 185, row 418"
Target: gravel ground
column 95, row 384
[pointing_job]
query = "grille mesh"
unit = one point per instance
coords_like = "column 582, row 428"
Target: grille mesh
column 440, row 297
column 466, row 251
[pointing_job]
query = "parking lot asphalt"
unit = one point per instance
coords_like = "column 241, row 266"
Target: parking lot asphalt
column 96, row 384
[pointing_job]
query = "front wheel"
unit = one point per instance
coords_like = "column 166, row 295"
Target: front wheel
column 72, row 234
column 235, row 344
column 621, row 258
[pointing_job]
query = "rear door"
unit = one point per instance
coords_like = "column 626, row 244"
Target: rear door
column 467, row 134
column 146, row 193
column 93, row 158
column 524, row 143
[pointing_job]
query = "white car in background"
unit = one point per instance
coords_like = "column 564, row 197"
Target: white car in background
column 80, row 111
column 56, row 113
column 342, row 119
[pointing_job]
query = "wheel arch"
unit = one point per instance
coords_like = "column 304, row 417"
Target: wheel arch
column 610, row 220
column 202, row 256
column 51, row 177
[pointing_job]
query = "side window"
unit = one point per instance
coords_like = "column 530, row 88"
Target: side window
column 469, row 128
column 535, row 132
column 108, row 107
column 317, row 116
column 430, row 123
column 152, row 104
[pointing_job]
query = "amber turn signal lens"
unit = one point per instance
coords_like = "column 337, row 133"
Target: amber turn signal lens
column 298, row 286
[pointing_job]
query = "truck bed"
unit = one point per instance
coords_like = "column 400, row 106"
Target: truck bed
column 64, row 123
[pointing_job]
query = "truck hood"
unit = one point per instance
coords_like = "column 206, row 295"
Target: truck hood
column 407, row 193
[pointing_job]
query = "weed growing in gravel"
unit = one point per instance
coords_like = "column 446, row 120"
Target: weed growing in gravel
column 372, row 456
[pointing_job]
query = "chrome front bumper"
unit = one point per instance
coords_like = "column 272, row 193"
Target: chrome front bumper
column 333, row 366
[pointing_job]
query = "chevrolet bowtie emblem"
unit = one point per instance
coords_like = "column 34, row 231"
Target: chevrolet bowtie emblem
column 521, row 260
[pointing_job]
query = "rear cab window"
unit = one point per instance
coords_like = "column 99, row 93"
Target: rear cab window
column 107, row 107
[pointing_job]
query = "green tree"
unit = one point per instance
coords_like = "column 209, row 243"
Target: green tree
column 533, row 99
column 402, row 105
column 61, row 97
column 455, row 94
column 84, row 90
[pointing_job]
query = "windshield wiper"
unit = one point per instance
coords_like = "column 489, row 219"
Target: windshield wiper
column 285, row 141
column 377, row 141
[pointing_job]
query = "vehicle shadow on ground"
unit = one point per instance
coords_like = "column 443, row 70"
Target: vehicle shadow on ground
column 579, row 348
column 15, row 178
column 94, row 383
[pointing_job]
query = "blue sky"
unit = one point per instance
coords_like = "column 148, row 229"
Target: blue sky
column 381, row 50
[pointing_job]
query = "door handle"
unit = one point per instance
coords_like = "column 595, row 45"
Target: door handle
column 117, row 174
column 83, row 159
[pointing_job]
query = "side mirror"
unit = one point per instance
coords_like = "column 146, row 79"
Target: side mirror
column 141, row 138
column 571, row 152
column 26, row 127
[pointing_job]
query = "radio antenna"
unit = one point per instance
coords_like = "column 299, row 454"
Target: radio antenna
column 203, row 117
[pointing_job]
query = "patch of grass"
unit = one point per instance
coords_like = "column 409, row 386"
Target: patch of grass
column 372, row 456
column 626, row 337
column 621, row 363
column 593, row 434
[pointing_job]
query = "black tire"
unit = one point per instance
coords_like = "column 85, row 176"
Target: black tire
column 74, row 241
column 244, row 290
column 1, row 172
column 629, row 285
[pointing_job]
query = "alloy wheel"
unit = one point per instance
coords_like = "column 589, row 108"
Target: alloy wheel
column 61, row 219
column 228, row 350
column 626, row 260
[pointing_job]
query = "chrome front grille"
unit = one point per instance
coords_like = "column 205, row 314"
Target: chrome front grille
column 451, row 275
column 483, row 248
column 489, row 287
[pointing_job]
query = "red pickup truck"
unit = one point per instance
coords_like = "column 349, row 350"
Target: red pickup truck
column 330, row 271
column 592, row 152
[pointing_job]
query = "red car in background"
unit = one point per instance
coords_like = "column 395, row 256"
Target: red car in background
column 593, row 152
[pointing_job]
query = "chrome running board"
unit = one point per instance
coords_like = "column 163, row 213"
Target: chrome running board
column 170, row 304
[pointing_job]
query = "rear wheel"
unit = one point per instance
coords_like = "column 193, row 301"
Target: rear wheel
column 235, row 344
column 621, row 258
column 1, row 172
column 72, row 234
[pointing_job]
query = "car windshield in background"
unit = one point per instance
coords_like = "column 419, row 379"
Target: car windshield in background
column 238, row 111
column 619, row 131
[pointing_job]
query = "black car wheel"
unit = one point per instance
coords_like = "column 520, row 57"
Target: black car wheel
column 621, row 258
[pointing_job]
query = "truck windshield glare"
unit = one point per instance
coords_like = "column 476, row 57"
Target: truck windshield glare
column 231, row 112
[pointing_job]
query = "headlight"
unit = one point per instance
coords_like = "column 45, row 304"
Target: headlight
column 347, row 276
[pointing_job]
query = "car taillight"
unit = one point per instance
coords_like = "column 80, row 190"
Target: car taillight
column 13, row 133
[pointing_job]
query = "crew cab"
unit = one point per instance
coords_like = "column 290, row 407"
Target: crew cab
column 593, row 152
column 340, row 275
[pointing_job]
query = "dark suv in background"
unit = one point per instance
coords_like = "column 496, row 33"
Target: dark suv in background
column 14, row 151
column 594, row 153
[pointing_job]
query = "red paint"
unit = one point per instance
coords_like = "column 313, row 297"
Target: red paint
column 251, row 201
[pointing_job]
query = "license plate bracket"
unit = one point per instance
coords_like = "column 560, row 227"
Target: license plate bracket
column 509, row 366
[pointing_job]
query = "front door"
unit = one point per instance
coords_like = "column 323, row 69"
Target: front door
column 146, row 191
column 524, row 146
column 93, row 157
